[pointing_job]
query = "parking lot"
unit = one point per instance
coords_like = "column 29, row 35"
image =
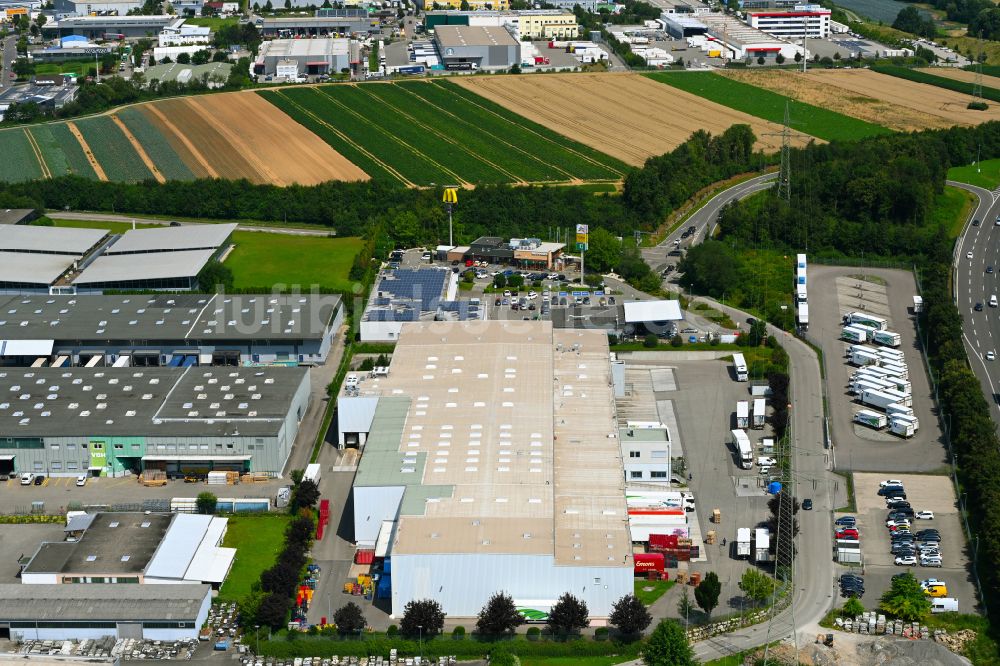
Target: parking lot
column 924, row 492
column 887, row 294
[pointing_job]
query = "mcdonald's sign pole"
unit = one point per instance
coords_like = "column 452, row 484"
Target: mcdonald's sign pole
column 450, row 198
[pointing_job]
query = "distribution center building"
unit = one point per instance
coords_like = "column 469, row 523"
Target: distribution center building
column 474, row 47
column 491, row 463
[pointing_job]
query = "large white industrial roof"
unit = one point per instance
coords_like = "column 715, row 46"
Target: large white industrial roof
column 186, row 237
column 33, row 268
column 49, row 240
column 650, row 311
column 145, row 266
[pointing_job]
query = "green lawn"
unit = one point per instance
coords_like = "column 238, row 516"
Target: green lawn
column 257, row 540
column 19, row 161
column 951, row 210
column 660, row 587
column 263, row 259
column 806, row 118
column 987, row 174
column 573, row 661
column 212, row 22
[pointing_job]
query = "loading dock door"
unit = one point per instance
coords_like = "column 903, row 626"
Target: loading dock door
column 130, row 630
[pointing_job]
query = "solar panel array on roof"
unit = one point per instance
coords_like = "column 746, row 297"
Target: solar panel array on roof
column 406, row 314
column 464, row 310
column 424, row 285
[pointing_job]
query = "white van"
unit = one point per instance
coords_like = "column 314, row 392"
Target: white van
column 944, row 605
column 993, row 301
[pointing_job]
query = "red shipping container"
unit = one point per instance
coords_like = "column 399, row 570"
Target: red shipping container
column 364, row 556
column 648, row 562
column 660, row 542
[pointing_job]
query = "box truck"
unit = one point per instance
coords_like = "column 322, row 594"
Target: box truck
column 887, row 338
column 743, row 414
column 312, row 473
column 907, row 418
column 743, row 543
column 744, row 452
column 901, row 427
column 801, row 293
column 853, row 334
column 871, row 419
column 800, row 261
column 759, row 412
column 762, row 545
column 803, row 315
column 918, row 304
column 740, row 367
column 866, row 320
column 944, row 605
column 877, row 399
column 646, row 562
column 849, row 555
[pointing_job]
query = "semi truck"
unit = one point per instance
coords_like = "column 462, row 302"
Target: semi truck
column 902, row 428
column 887, row 338
column 740, row 367
column 759, row 412
column 878, row 399
column 801, row 293
column 866, row 320
column 744, row 452
column 908, row 418
column 800, row 261
column 871, row 419
column 743, row 543
column 853, row 334
column 803, row 315
column 743, row 414
column 762, row 545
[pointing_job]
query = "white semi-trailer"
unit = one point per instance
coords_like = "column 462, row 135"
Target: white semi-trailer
column 740, row 367
column 878, row 399
column 871, row 419
column 759, row 412
column 887, row 338
column 743, row 543
column 743, row 414
column 744, row 452
column 866, row 320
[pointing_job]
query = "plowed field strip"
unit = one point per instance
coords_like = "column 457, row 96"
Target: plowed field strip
column 183, row 145
column 94, row 164
column 139, row 149
column 343, row 137
column 213, row 145
column 237, row 141
column 46, row 173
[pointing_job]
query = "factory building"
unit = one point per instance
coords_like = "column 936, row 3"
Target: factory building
column 175, row 329
column 466, row 48
column 476, row 5
column 326, row 22
column 682, row 26
column 106, row 27
column 178, row 34
column 79, row 612
column 735, row 40
column 118, row 421
column 33, row 258
column 529, row 23
column 95, row 7
column 491, row 463
column 303, row 56
column 17, row 215
column 813, row 20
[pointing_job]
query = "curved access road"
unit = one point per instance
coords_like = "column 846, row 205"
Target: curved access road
column 972, row 284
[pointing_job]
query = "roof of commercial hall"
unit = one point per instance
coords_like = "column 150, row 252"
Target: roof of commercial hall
column 165, row 239
column 166, row 317
column 32, row 268
column 464, row 35
column 145, row 266
column 14, row 215
column 126, row 603
column 50, row 240
column 198, row 401
column 504, row 434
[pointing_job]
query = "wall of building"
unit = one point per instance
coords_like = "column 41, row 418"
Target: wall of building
column 372, row 505
column 380, row 331
column 462, row 583
column 355, row 415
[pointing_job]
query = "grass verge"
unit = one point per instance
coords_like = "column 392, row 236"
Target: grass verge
column 986, row 174
column 113, row 227
column 852, row 504
column 951, row 210
column 648, row 591
column 258, row 540
column 263, row 260
column 809, row 119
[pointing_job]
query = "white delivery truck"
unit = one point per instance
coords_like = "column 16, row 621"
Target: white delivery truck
column 803, row 315
column 866, row 320
column 801, row 293
column 907, row 418
column 901, row 427
column 744, row 452
column 312, row 473
column 853, row 334
column 743, row 414
column 743, row 543
column 877, row 399
column 944, row 605
column 918, row 304
column 762, row 545
column 740, row 367
column 849, row 555
column 759, row 412
column 871, row 419
column 887, row 338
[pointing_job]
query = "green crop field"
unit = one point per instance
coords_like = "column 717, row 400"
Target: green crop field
column 426, row 133
column 917, row 76
column 17, row 159
column 155, row 145
column 806, row 118
column 257, row 540
column 264, row 259
column 61, row 150
column 112, row 150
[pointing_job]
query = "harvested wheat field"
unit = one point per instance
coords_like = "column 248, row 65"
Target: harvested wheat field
column 238, row 135
column 936, row 107
column 962, row 75
column 627, row 116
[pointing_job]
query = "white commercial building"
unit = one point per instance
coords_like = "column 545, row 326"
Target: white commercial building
column 178, row 34
column 735, row 40
column 813, row 20
column 646, row 452
column 491, row 447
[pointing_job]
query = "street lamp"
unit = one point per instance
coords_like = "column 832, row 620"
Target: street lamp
column 420, row 640
column 256, row 634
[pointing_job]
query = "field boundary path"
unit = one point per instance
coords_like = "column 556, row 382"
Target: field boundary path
column 94, row 164
column 195, row 153
column 46, row 172
column 143, row 155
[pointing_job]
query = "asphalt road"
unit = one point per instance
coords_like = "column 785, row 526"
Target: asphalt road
column 6, row 61
column 972, row 284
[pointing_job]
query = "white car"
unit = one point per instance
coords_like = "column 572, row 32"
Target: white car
column 929, row 582
column 27, row 478
column 506, row 293
column 924, row 515
column 890, row 482
column 968, row 255
column 905, row 561
column 764, row 461
column 897, row 523
column 81, row 480
column 991, row 355
column 552, row 276
column 930, row 562
column 426, row 256
column 532, row 295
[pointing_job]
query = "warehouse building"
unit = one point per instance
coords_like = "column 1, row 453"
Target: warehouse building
column 17, row 215
column 326, row 22
column 469, row 48
column 79, row 612
column 813, row 20
column 178, row 34
column 528, row 23
column 134, row 549
column 95, row 7
column 738, row 41
column 476, row 5
column 107, row 27
column 491, row 463
column 309, row 56
column 34, row 258
column 646, row 452
column 682, row 26
column 118, row 421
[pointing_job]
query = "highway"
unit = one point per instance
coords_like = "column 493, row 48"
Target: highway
column 972, row 284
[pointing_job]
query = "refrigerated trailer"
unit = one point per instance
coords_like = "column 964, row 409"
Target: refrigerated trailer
column 908, row 418
column 744, row 452
column 897, row 369
column 900, row 397
column 863, row 358
column 902, row 428
column 887, row 338
column 740, row 367
column 801, row 293
column 759, row 412
column 743, row 414
column 853, row 334
column 878, row 399
column 762, row 545
column 800, row 261
column 866, row 320
column 871, row 419
column 803, row 315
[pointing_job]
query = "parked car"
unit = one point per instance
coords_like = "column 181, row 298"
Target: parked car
column 27, row 478
column 39, row 479
column 905, row 561
column 978, row 307
column 849, row 533
column 846, row 520
column 925, row 515
column 931, row 562
column 81, row 480
column 807, row 505
column 927, row 582
column 897, row 523
column 890, row 482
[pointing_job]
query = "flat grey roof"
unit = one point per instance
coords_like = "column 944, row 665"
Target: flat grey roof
column 145, row 266
column 166, row 319
column 52, row 240
column 114, row 544
column 199, row 401
column 463, row 35
column 14, row 215
column 126, row 603
column 160, row 239
column 30, row 268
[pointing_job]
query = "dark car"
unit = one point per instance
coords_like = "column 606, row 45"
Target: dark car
column 846, row 520
column 496, row 302
column 39, row 479
column 852, row 578
column 561, row 278
column 807, row 505
column 888, row 491
column 989, row 269
column 611, row 300
column 975, row 222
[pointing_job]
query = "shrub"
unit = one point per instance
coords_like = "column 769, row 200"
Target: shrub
column 650, row 341
column 676, row 341
column 392, row 631
column 458, row 633
column 601, row 634
column 978, row 106
column 534, row 633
